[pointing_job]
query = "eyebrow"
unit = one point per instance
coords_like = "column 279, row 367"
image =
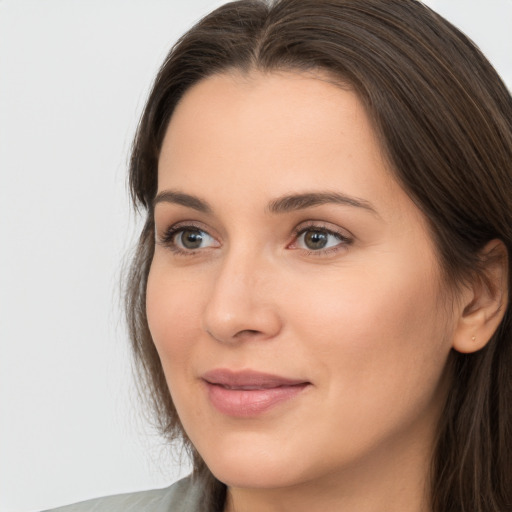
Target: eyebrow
column 284, row 204
column 171, row 196
column 294, row 202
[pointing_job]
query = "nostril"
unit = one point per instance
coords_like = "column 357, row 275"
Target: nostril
column 247, row 332
column 238, row 321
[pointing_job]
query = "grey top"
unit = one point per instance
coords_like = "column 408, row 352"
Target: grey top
column 182, row 496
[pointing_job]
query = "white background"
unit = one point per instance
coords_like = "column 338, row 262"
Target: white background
column 74, row 75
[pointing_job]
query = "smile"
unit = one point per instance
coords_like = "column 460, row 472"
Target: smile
column 248, row 393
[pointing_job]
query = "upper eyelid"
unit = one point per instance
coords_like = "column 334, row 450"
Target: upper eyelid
column 303, row 226
column 343, row 238
column 174, row 226
column 322, row 225
column 167, row 238
column 340, row 236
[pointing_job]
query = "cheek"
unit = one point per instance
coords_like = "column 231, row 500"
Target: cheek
column 376, row 332
column 378, row 350
column 369, row 308
column 172, row 312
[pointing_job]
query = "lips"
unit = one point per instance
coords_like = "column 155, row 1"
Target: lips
column 249, row 393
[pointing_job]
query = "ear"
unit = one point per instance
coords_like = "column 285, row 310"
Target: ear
column 484, row 301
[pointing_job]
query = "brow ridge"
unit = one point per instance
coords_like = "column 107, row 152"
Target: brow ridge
column 294, row 202
column 175, row 197
column 284, row 204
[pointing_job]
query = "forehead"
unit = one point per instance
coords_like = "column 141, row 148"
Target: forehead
column 269, row 104
column 275, row 133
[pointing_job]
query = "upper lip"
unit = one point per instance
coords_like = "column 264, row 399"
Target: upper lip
column 248, row 379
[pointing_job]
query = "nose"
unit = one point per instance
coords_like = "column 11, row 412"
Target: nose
column 242, row 305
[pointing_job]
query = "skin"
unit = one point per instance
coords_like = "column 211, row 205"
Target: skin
column 367, row 322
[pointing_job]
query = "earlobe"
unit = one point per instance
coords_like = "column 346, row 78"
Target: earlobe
column 485, row 301
column 471, row 334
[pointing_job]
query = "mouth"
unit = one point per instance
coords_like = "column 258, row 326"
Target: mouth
column 249, row 393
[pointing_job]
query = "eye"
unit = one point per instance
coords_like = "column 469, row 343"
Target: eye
column 192, row 238
column 319, row 239
column 187, row 239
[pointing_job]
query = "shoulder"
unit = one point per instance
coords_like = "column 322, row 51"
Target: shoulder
column 182, row 496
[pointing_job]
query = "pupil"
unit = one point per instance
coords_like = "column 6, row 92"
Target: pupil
column 191, row 239
column 315, row 239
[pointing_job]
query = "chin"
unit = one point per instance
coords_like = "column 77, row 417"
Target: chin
column 253, row 475
column 250, row 465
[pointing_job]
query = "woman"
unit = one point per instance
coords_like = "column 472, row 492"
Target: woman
column 319, row 303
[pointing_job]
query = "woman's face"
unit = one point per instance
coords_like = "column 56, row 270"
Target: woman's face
column 294, row 297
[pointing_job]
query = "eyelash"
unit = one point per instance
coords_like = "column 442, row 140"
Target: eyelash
column 343, row 239
column 168, row 239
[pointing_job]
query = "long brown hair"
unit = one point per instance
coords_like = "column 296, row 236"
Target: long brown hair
column 444, row 118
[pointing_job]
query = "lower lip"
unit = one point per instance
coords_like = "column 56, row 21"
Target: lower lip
column 244, row 403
